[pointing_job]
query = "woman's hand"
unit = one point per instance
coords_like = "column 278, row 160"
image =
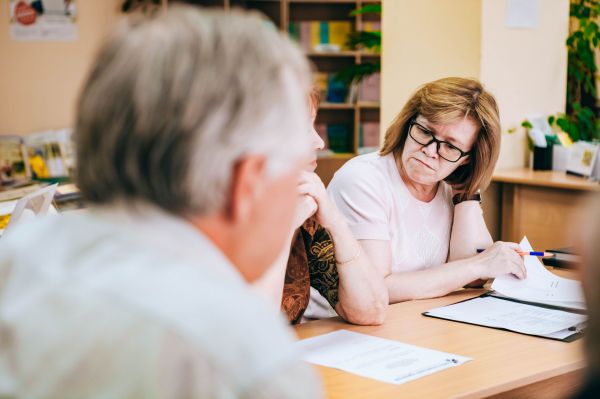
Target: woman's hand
column 501, row 258
column 306, row 208
column 326, row 214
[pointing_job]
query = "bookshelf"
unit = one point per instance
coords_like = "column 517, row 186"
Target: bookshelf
column 343, row 124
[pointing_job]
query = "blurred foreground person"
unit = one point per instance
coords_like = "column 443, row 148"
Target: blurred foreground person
column 589, row 227
column 193, row 190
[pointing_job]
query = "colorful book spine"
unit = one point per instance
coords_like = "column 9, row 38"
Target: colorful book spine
column 339, row 137
column 369, row 135
column 314, row 35
column 369, row 89
column 338, row 33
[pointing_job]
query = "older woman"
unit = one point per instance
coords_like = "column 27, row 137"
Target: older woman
column 415, row 205
column 324, row 257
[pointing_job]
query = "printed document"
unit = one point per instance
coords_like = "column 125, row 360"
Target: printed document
column 500, row 313
column 377, row 358
column 541, row 285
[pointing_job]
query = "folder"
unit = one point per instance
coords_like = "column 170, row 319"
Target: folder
column 497, row 311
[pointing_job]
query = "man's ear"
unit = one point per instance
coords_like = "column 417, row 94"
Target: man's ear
column 247, row 182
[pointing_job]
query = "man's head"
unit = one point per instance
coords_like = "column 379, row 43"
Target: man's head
column 203, row 114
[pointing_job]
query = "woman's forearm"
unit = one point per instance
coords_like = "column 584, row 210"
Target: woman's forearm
column 432, row 282
column 469, row 231
column 363, row 296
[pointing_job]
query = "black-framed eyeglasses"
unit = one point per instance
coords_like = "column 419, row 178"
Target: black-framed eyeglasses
column 425, row 137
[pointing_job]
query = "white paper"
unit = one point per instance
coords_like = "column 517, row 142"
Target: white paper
column 582, row 158
column 522, row 13
column 514, row 316
column 541, row 285
column 377, row 358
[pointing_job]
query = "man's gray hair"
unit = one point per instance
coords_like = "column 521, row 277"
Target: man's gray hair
column 174, row 101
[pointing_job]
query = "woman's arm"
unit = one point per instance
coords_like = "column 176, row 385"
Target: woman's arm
column 363, row 297
column 469, row 231
column 500, row 258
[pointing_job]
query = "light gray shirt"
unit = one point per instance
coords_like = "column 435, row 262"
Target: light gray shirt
column 117, row 304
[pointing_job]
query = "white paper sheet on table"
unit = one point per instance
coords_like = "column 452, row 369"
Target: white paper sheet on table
column 541, row 285
column 377, row 358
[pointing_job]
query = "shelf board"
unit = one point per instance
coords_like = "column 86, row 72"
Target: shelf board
column 368, row 104
column 331, row 1
column 335, row 155
column 326, row 105
column 344, row 53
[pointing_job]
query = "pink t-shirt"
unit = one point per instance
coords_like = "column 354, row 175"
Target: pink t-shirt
column 377, row 205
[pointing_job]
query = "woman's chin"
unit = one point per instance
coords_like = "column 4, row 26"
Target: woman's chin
column 311, row 166
column 421, row 177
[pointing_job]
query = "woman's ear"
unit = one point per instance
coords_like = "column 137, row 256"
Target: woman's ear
column 464, row 160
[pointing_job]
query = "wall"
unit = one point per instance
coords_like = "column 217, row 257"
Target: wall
column 526, row 69
column 425, row 40
column 39, row 81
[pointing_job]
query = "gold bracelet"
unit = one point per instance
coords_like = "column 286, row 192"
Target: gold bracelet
column 345, row 262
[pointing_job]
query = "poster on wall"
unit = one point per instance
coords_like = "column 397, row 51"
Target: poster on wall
column 35, row 20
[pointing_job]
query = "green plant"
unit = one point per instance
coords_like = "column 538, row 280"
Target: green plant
column 582, row 121
column 362, row 40
column 582, row 118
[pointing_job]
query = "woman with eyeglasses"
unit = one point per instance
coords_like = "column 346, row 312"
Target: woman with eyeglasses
column 415, row 205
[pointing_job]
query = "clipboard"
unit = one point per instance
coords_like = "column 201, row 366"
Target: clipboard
column 578, row 330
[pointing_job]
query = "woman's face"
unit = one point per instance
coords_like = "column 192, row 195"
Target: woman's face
column 422, row 164
column 315, row 140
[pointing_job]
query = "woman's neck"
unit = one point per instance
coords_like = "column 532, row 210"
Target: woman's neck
column 422, row 192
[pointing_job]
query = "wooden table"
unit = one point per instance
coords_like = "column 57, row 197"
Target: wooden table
column 539, row 204
column 504, row 364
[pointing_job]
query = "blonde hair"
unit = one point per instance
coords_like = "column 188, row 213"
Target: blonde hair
column 449, row 99
column 314, row 97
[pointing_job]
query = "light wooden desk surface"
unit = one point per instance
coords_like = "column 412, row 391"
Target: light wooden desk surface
column 545, row 178
column 503, row 362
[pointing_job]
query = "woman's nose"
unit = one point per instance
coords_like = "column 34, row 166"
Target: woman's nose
column 431, row 150
column 317, row 141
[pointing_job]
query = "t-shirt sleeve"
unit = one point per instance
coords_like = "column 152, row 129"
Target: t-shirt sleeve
column 361, row 193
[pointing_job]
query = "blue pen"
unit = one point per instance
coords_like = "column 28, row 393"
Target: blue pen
column 523, row 253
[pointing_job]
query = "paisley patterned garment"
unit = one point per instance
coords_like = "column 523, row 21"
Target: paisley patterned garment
column 311, row 263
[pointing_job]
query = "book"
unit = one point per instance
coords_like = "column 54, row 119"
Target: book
column 369, row 89
column 369, row 136
column 336, row 90
column 338, row 137
column 14, row 168
column 322, row 36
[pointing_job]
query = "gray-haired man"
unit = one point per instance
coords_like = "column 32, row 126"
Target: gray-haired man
column 190, row 131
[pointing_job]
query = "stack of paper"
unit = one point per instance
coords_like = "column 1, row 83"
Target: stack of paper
column 522, row 305
column 540, row 286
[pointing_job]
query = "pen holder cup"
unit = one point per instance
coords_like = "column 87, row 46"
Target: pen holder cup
column 542, row 158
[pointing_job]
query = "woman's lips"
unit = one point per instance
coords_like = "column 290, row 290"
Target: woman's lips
column 418, row 160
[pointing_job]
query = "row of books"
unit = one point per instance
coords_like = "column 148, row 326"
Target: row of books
column 334, row 91
column 43, row 155
column 320, row 35
column 325, row 36
column 338, row 137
